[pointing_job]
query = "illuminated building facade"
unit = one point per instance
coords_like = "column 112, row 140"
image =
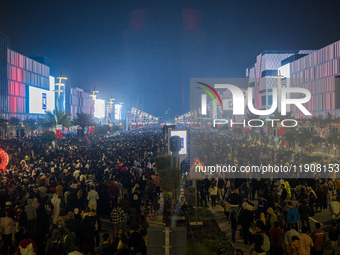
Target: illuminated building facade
column 26, row 87
column 266, row 66
column 319, row 72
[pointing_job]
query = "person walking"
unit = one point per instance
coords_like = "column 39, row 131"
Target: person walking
column 304, row 212
column 117, row 219
column 31, row 212
column 276, row 235
column 92, row 197
column 306, row 242
column 333, row 235
column 293, row 247
column 234, row 200
column 56, row 207
column 213, row 194
column 319, row 238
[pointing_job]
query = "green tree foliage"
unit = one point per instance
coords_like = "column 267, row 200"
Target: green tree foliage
column 162, row 162
column 303, row 137
column 14, row 123
column 334, row 138
column 170, row 181
column 48, row 136
column 30, row 125
column 84, row 120
column 54, row 118
column 289, row 136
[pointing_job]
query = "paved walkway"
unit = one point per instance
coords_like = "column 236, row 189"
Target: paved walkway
column 222, row 222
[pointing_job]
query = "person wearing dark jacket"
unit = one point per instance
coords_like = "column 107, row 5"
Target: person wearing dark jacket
column 120, row 240
column 304, row 212
column 95, row 220
column 258, row 237
column 245, row 219
column 126, row 206
column 86, row 234
column 107, row 246
column 72, row 223
column 136, row 242
column 70, row 240
column 333, row 235
column 202, row 194
column 234, row 200
column 262, row 204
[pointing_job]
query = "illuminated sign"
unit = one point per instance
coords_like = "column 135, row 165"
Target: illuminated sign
column 118, row 111
column 183, row 135
column 41, row 100
column 44, row 103
column 99, row 108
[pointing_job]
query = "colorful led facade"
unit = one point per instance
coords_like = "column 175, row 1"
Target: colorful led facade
column 319, row 72
column 26, row 87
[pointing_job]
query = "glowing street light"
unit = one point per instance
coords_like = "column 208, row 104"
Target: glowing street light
column 59, row 90
column 93, row 97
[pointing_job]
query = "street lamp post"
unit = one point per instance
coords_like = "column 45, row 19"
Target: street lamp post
column 93, row 97
column 59, row 90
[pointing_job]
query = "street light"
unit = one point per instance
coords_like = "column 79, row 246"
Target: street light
column 59, row 84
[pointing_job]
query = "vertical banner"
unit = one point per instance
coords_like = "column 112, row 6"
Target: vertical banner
column 91, row 130
column 59, row 132
column 111, row 127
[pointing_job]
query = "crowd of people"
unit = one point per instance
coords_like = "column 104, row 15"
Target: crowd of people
column 53, row 200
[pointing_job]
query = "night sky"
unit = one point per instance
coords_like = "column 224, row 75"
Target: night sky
column 147, row 51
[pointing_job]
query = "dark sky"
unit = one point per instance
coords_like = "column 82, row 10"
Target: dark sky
column 148, row 50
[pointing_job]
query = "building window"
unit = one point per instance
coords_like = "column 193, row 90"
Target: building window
column 263, row 100
column 270, row 100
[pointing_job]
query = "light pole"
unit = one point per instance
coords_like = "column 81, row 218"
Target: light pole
column 59, row 84
column 93, row 97
column 111, row 103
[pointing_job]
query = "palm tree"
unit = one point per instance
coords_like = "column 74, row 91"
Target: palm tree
column 3, row 124
column 13, row 123
column 54, row 118
column 84, row 120
column 30, row 125
column 279, row 117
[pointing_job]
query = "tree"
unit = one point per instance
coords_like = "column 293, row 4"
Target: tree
column 14, row 123
column 54, row 118
column 170, row 181
column 289, row 136
column 48, row 136
column 30, row 125
column 3, row 124
column 84, row 120
column 162, row 161
column 303, row 136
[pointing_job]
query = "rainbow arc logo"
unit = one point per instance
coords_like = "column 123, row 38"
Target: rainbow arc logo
column 209, row 93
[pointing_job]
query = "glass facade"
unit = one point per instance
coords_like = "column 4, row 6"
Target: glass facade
column 4, row 45
column 319, row 73
column 21, row 73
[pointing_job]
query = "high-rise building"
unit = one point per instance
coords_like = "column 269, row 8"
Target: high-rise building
column 266, row 66
column 26, row 87
column 319, row 72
